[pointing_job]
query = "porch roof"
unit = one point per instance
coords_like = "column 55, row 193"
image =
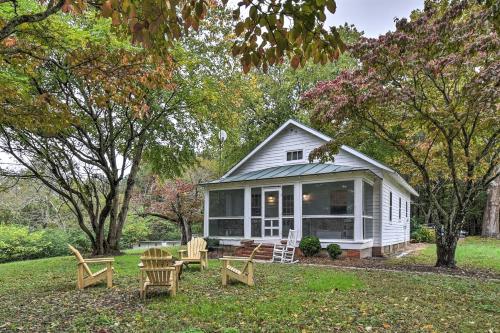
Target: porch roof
column 304, row 169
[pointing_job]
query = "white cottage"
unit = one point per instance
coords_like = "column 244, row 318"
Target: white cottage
column 356, row 202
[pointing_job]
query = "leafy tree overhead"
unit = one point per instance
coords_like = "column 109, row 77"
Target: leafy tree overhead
column 272, row 31
column 430, row 89
column 112, row 122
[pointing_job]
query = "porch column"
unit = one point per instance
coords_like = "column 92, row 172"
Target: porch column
column 205, row 213
column 297, row 209
column 247, row 217
column 358, row 209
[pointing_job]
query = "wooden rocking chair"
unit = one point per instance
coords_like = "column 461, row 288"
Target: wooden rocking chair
column 158, row 269
column 85, row 277
column 196, row 253
column 244, row 275
column 284, row 253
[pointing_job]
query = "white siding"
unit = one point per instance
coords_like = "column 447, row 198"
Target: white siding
column 346, row 158
column 397, row 230
column 274, row 152
column 377, row 187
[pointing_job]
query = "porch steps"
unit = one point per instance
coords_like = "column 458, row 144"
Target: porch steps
column 247, row 246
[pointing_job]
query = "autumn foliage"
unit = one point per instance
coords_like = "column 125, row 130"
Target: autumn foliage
column 430, row 89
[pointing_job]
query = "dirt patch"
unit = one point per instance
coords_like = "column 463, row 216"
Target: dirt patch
column 383, row 263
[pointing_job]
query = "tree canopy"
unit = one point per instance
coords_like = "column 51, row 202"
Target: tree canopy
column 272, row 30
column 430, row 89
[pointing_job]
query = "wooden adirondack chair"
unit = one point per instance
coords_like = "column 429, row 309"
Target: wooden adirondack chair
column 244, row 275
column 85, row 277
column 196, row 253
column 158, row 269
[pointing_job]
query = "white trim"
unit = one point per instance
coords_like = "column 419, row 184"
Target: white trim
column 365, row 158
column 301, row 160
column 274, row 134
column 205, row 213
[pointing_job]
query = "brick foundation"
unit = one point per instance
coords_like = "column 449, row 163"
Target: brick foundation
column 380, row 251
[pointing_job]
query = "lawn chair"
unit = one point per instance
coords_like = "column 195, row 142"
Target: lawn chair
column 244, row 275
column 284, row 253
column 158, row 269
column 196, row 253
column 85, row 277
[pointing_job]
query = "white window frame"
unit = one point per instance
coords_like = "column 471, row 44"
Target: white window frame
column 292, row 151
column 350, row 216
column 228, row 217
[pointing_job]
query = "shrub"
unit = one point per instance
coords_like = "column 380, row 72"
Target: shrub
column 133, row 232
column 18, row 243
column 423, row 235
column 310, row 246
column 212, row 243
column 334, row 250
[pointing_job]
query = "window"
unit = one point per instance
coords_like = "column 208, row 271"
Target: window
column 328, row 210
column 294, row 155
column 287, row 210
column 336, row 198
column 226, row 213
column 367, row 211
column 256, row 201
column 256, row 211
column 390, row 206
column 328, row 228
column 400, row 208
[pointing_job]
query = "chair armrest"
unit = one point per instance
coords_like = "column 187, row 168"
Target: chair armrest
column 160, row 269
column 235, row 258
column 203, row 250
column 182, row 251
column 98, row 260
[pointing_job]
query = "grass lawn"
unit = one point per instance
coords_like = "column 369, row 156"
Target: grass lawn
column 472, row 253
column 40, row 295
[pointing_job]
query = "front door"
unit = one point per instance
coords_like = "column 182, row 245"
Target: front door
column 272, row 209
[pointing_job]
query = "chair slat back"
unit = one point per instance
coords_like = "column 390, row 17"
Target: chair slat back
column 252, row 255
column 292, row 238
column 80, row 259
column 194, row 246
column 156, row 260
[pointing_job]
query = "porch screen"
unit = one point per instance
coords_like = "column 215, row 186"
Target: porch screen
column 226, row 213
column 367, row 211
column 328, row 210
column 286, row 210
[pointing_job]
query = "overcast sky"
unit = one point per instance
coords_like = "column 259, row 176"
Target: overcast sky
column 374, row 17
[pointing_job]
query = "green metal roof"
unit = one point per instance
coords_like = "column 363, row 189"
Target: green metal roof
column 295, row 170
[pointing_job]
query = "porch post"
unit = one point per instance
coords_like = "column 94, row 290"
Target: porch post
column 205, row 213
column 297, row 209
column 247, row 218
column 358, row 209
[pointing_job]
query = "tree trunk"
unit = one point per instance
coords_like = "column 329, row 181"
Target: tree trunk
column 183, row 234
column 490, row 227
column 446, row 244
column 187, row 228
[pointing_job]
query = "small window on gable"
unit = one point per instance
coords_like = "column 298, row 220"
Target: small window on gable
column 294, row 155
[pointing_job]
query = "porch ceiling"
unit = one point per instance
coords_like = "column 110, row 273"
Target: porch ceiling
column 304, row 169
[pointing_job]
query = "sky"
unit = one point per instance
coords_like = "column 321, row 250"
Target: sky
column 374, row 17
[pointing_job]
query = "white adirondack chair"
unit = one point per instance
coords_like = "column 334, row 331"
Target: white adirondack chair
column 284, row 253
